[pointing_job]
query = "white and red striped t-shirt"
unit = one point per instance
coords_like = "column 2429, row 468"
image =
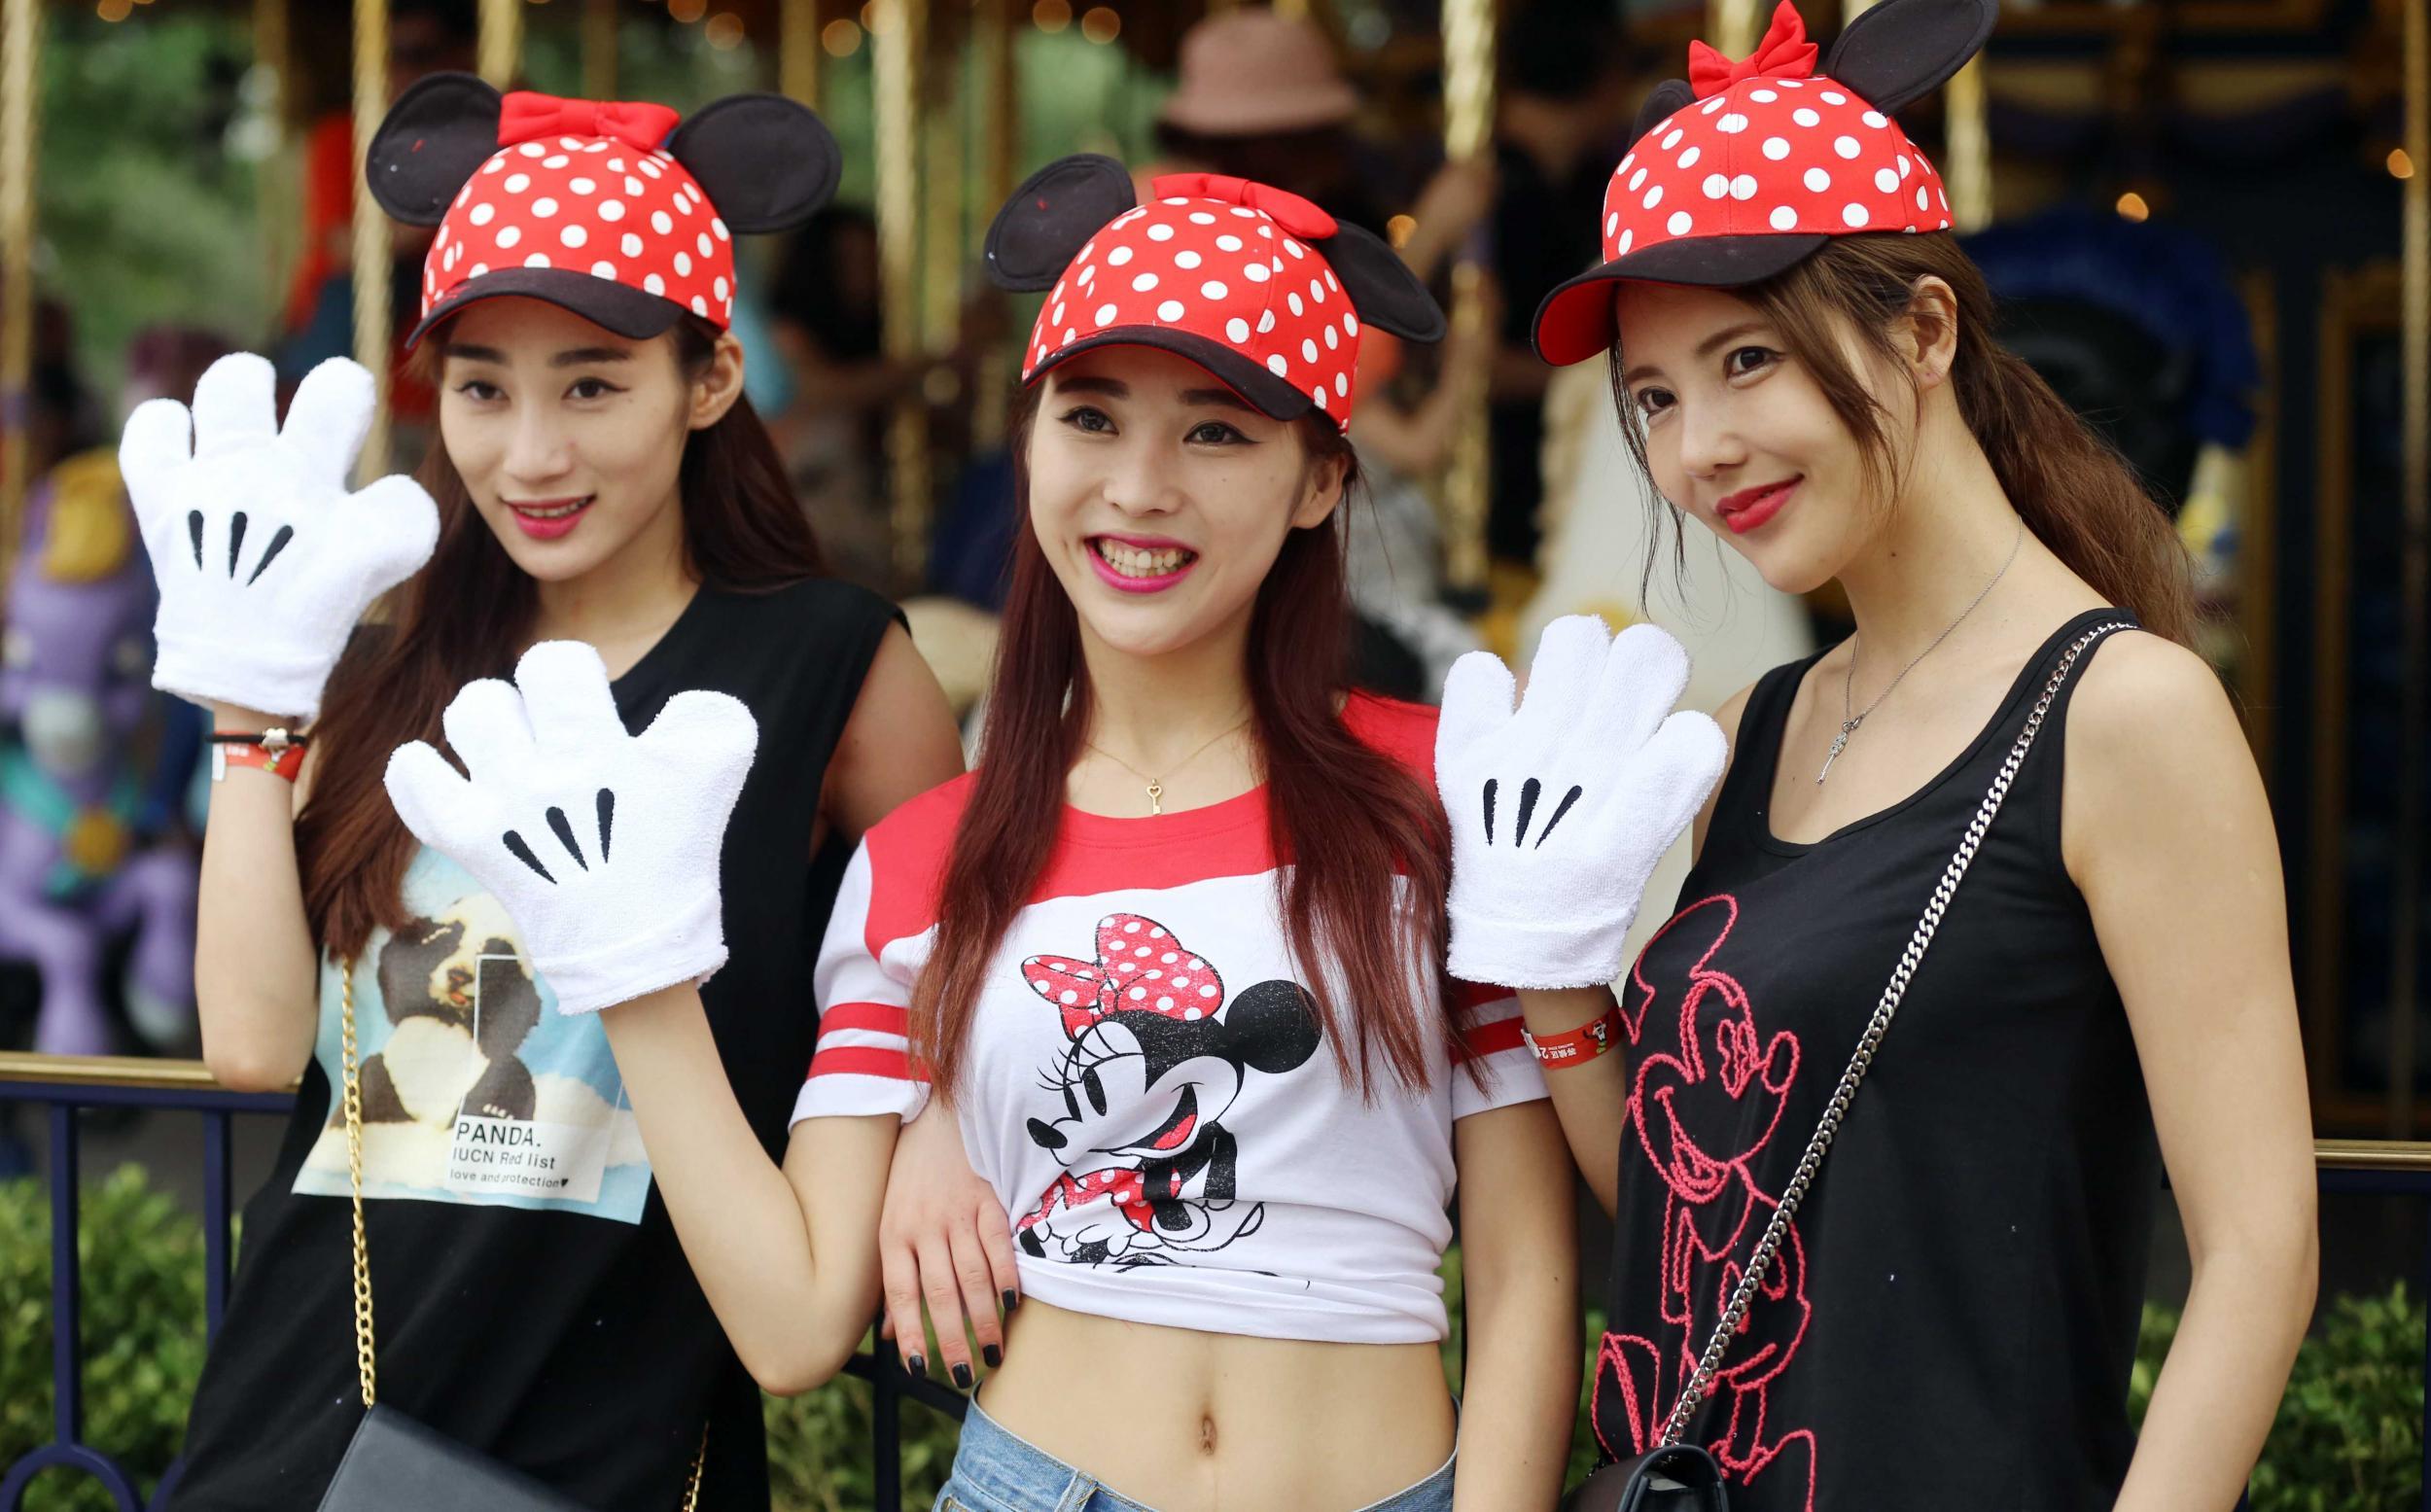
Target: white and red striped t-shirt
column 1149, row 1092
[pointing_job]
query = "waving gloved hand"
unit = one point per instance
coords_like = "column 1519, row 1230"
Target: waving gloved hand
column 602, row 845
column 264, row 560
column 1561, row 809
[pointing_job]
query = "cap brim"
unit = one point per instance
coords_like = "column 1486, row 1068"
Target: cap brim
column 635, row 314
column 1576, row 320
column 1276, row 399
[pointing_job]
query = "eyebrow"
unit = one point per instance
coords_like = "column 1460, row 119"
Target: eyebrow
column 572, row 357
column 1115, row 388
column 1705, row 348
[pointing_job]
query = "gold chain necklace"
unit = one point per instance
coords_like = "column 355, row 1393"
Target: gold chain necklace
column 1156, row 785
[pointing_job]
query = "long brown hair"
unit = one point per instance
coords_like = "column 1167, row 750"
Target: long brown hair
column 1344, row 814
column 2076, row 493
column 468, row 611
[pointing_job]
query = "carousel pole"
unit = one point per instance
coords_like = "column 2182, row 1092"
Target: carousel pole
column 2414, row 576
column 997, row 110
column 899, row 43
column 1468, row 63
column 21, row 42
column 599, row 49
column 942, row 170
column 501, row 45
column 374, row 320
column 797, row 50
column 274, row 192
column 1967, row 166
column 1735, row 27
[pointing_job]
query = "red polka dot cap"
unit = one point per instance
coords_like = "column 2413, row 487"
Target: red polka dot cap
column 1260, row 286
column 1749, row 167
column 611, row 210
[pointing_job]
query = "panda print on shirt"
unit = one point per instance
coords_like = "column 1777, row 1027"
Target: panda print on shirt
column 1153, row 1059
column 476, row 1090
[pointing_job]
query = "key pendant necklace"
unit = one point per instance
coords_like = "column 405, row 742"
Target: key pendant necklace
column 1848, row 723
column 1156, row 785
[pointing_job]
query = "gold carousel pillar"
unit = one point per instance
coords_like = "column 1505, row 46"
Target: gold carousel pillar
column 1469, row 57
column 1734, row 27
column 941, row 173
column 373, row 320
column 899, row 43
column 276, row 211
column 797, row 50
column 599, row 49
column 996, row 109
column 501, row 41
column 21, row 57
column 2415, row 570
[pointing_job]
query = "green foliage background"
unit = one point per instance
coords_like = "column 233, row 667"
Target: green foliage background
column 2348, row 1438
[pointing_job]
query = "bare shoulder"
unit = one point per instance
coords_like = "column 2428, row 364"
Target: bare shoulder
column 2156, row 762
column 1733, row 710
column 2144, row 699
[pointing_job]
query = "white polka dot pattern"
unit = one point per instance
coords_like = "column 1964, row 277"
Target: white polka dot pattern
column 1194, row 265
column 527, row 193
column 1759, row 159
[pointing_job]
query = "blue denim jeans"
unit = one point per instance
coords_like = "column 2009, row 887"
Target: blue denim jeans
column 996, row 1472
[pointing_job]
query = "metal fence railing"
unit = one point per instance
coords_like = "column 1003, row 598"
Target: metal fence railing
column 63, row 1085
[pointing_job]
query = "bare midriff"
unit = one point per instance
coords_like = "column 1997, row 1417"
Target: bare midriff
column 1190, row 1422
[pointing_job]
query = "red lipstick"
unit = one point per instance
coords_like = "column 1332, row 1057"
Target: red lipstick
column 1751, row 507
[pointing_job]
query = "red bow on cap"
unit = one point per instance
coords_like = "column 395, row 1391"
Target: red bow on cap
column 1783, row 53
column 525, row 116
column 1290, row 212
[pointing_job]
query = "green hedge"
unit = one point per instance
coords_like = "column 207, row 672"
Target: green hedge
column 2348, row 1438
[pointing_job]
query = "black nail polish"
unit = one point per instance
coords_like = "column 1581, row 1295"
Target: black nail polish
column 992, row 1355
column 1012, row 1299
column 917, row 1364
column 961, row 1377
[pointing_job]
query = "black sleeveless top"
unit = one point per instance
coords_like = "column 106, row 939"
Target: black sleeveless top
column 1953, row 1320
column 530, row 1296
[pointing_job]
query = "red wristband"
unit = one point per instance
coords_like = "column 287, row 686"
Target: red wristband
column 1577, row 1046
column 280, row 757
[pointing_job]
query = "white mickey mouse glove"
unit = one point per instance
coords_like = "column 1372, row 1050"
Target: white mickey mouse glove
column 1559, row 811
column 603, row 846
column 264, row 560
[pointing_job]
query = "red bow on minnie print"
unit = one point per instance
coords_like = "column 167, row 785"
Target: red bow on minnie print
column 525, row 116
column 1140, row 968
column 1783, row 53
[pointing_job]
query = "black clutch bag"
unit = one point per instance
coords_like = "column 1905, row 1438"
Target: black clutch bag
column 1667, row 1478
column 394, row 1463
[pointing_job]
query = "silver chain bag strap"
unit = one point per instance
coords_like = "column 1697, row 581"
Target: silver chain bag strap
column 1674, row 1476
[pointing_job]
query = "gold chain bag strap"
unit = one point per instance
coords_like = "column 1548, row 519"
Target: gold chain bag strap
column 1677, row 1476
column 394, row 1463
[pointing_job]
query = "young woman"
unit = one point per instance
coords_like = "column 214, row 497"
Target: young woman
column 1803, row 362
column 1229, row 1099
column 597, row 477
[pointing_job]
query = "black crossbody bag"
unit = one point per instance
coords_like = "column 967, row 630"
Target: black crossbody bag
column 1674, row 1476
column 394, row 1463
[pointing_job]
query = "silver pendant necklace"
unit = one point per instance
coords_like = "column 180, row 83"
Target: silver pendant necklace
column 1848, row 723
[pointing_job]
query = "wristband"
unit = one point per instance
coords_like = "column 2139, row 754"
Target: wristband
column 273, row 750
column 1576, row 1047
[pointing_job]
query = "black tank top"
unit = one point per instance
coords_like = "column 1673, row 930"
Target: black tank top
column 1952, row 1321
column 545, row 1314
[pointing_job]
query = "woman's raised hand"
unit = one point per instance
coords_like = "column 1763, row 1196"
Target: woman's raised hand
column 602, row 846
column 264, row 560
column 1562, row 807
column 944, row 1236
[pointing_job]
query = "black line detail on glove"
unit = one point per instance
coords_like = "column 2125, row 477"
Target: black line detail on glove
column 278, row 544
column 235, row 540
column 523, row 854
column 1546, row 833
column 1528, row 790
column 564, row 832
column 607, row 819
column 1489, row 787
column 193, row 530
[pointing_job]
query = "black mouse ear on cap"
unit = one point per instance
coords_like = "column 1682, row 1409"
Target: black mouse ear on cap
column 1052, row 216
column 1903, row 49
column 440, row 131
column 1669, row 99
column 766, row 162
column 1383, row 289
